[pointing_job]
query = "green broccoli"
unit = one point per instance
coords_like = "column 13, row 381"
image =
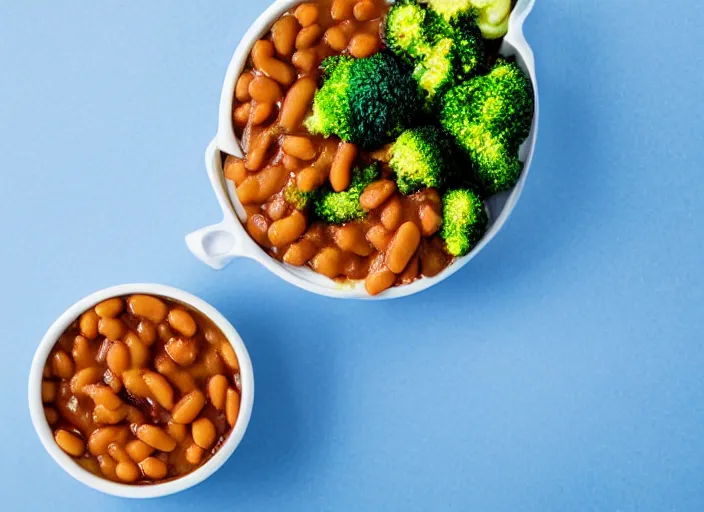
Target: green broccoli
column 364, row 101
column 469, row 47
column 406, row 30
column 331, row 110
column 452, row 9
column 489, row 117
column 436, row 71
column 442, row 50
column 464, row 221
column 420, row 159
column 493, row 15
column 340, row 207
column 297, row 198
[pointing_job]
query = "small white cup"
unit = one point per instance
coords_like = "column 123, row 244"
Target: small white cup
column 219, row 243
column 36, row 407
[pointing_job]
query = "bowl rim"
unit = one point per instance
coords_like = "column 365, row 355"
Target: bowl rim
column 44, row 431
column 225, row 142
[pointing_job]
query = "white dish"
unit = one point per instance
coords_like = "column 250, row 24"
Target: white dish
column 216, row 245
column 36, row 407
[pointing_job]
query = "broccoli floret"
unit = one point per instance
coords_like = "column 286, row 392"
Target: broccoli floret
column 457, row 56
column 340, row 207
column 492, row 14
column 469, row 47
column 364, row 101
column 490, row 28
column 493, row 17
column 296, row 197
column 406, row 30
column 420, row 159
column 436, row 71
column 464, row 221
column 331, row 107
column 442, row 50
column 489, row 116
column 451, row 9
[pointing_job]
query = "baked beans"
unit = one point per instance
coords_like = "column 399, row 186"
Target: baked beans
column 283, row 35
column 141, row 389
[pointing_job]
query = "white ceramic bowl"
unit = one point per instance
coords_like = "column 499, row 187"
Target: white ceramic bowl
column 216, row 245
column 44, row 432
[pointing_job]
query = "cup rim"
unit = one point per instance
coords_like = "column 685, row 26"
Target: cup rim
column 45, row 434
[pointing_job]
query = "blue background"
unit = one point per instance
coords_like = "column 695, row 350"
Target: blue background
column 561, row 370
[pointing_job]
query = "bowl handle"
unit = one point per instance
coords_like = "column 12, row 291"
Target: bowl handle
column 216, row 245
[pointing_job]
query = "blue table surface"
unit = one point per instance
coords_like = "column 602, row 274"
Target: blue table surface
column 561, row 370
